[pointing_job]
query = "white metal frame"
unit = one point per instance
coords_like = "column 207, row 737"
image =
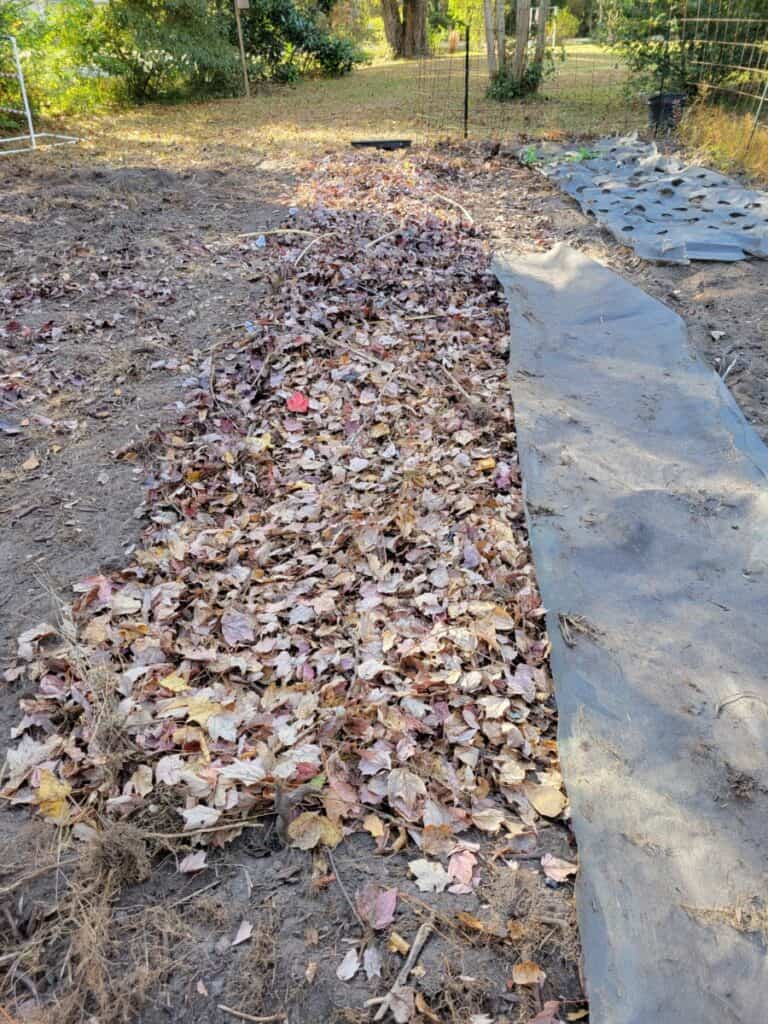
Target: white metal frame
column 32, row 137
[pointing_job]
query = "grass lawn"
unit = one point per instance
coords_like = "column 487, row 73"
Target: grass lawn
column 413, row 99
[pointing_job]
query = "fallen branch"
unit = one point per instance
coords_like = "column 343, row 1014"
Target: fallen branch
column 249, row 1016
column 386, row 1001
column 453, row 202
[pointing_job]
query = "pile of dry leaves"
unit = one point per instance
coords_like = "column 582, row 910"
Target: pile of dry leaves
column 332, row 616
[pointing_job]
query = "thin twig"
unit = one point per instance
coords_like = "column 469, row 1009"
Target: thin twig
column 34, row 874
column 276, row 231
column 747, row 695
column 250, row 1016
column 347, row 897
column 453, row 202
column 387, row 234
column 203, row 831
column 306, row 249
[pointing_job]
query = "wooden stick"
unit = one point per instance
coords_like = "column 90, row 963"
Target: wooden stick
column 418, row 944
column 250, row 1016
column 453, row 202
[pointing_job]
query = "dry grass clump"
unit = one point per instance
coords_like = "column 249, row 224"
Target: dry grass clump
column 721, row 138
column 70, row 954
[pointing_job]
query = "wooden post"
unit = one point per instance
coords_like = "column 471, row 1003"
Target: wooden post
column 245, row 5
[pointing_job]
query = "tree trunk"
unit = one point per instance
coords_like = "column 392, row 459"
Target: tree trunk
column 522, row 28
column 541, row 31
column 414, row 28
column 490, row 44
column 393, row 26
column 501, row 34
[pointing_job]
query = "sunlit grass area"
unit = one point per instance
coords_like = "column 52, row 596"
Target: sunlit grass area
column 591, row 92
column 386, row 99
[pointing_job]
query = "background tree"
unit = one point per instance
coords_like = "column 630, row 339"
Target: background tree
column 405, row 26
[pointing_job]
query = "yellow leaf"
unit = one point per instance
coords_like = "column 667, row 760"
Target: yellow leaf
column 311, row 829
column 31, row 463
column 229, row 458
column 174, row 682
column 260, row 443
column 199, row 709
column 52, row 796
column 423, row 1007
column 485, row 464
column 528, row 973
column 373, row 824
column 379, row 429
column 577, row 1015
column 397, row 944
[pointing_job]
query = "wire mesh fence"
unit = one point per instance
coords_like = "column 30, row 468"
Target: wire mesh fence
column 709, row 52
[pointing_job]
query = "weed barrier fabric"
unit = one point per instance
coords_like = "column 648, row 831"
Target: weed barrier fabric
column 664, row 209
column 647, row 502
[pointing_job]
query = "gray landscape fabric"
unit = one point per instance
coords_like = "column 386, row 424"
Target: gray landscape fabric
column 647, row 502
column 665, row 210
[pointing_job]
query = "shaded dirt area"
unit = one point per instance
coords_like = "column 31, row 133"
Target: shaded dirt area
column 723, row 304
column 172, row 322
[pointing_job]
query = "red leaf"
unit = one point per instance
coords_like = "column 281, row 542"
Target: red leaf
column 298, row 402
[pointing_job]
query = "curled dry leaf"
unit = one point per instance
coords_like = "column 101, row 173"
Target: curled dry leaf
column 430, row 876
column 556, row 868
column 310, row 829
column 528, row 973
column 349, row 966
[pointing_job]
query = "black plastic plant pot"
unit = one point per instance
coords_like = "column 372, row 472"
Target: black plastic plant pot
column 666, row 108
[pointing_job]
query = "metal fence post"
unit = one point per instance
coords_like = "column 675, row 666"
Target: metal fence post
column 466, row 82
column 24, row 98
column 758, row 112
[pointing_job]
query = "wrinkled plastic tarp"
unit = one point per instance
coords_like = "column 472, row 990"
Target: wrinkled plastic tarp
column 667, row 211
column 647, row 503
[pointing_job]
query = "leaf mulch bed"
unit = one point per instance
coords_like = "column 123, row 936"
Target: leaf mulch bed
column 331, row 624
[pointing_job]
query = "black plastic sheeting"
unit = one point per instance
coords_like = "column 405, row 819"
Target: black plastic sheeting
column 647, row 503
column 667, row 211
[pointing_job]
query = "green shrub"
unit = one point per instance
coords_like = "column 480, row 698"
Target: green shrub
column 504, row 86
column 566, row 25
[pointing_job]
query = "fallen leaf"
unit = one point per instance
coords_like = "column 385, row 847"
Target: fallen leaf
column 557, row 869
column 526, row 972
column 244, row 933
column 310, row 973
column 311, row 829
column 430, row 875
column 193, row 862
column 372, row 962
column 547, row 800
column 349, row 966
column 30, row 463
column 397, row 944
column 424, row 1009
column 298, row 402
column 52, row 796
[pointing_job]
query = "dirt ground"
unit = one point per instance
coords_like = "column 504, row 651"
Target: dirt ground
column 116, row 272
